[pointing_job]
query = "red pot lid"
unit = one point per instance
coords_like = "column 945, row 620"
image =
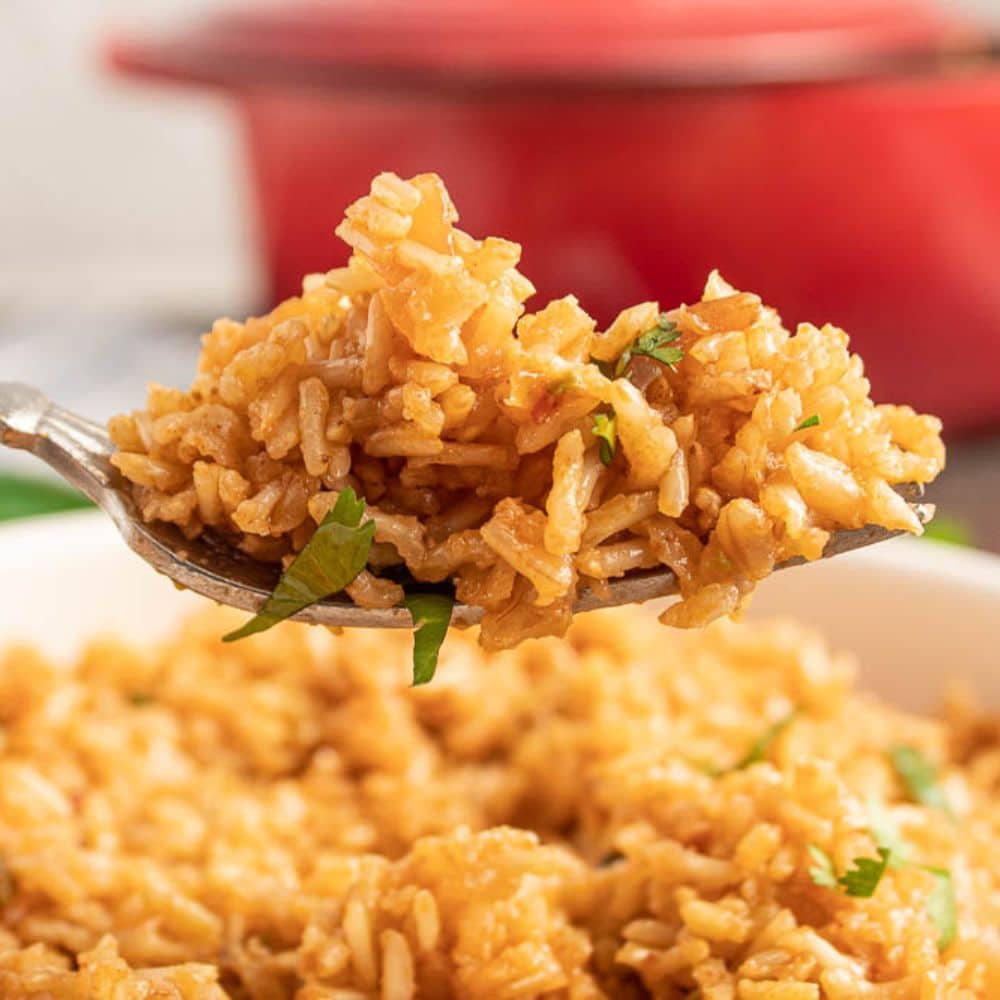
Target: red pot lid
column 501, row 43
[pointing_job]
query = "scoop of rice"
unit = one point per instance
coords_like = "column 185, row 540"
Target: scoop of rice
column 626, row 813
column 415, row 376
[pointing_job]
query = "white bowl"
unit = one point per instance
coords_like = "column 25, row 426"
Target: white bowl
column 918, row 614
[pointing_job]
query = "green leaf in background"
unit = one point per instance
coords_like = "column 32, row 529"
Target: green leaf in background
column 23, row 497
column 758, row 752
column 886, row 834
column 941, row 906
column 431, row 614
column 822, row 871
column 919, row 776
column 330, row 560
column 949, row 530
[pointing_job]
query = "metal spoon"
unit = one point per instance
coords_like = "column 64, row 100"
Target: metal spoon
column 80, row 451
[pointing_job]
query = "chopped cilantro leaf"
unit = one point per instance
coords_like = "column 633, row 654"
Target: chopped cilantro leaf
column 941, row 906
column 812, row 421
column 431, row 614
column 822, row 871
column 862, row 880
column 919, row 776
column 759, row 750
column 654, row 344
column 606, row 432
column 330, row 560
column 886, row 834
column 940, row 903
column 707, row 767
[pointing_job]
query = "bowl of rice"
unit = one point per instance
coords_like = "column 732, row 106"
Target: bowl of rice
column 581, row 805
column 798, row 807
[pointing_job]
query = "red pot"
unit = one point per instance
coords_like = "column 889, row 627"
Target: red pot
column 844, row 162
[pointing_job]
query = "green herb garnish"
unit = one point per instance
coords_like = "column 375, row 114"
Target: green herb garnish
column 950, row 530
column 140, row 699
column 654, row 344
column 822, row 871
column 706, row 767
column 885, row 833
column 941, row 902
column 330, row 560
column 812, row 421
column 919, row 776
column 431, row 614
column 758, row 752
column 941, row 906
column 860, row 882
column 606, row 432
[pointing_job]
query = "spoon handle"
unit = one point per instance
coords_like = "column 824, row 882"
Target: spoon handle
column 78, row 449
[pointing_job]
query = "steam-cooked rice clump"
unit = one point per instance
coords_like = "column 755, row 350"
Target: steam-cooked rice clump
column 415, row 376
column 286, row 818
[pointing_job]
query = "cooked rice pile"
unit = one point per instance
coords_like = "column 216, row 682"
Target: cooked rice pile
column 415, row 376
column 286, row 817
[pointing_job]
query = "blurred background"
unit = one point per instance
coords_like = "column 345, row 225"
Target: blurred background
column 169, row 162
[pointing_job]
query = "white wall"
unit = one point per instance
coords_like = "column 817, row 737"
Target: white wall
column 124, row 219
column 113, row 195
